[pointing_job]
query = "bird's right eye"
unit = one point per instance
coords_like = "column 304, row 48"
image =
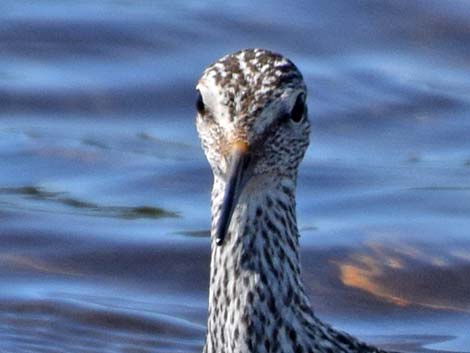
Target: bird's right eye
column 200, row 106
column 298, row 110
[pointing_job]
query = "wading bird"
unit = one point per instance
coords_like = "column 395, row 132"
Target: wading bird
column 253, row 125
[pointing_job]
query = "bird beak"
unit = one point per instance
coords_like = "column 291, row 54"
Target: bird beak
column 234, row 182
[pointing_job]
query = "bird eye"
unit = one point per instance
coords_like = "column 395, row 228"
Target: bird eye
column 200, row 103
column 298, row 110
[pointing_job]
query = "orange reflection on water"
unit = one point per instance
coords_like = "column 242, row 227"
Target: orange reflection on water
column 365, row 275
column 405, row 274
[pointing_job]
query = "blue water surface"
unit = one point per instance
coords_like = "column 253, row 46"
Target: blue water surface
column 104, row 190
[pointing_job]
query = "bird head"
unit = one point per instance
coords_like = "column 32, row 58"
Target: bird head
column 252, row 122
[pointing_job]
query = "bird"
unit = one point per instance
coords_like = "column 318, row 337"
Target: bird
column 252, row 121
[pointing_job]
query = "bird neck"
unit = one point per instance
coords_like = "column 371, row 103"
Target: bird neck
column 255, row 280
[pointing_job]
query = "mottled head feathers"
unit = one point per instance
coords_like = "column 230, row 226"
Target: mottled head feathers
column 250, row 95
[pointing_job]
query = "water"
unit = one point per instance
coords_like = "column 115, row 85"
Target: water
column 104, row 191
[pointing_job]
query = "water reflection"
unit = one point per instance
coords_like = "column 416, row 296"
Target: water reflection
column 83, row 207
column 411, row 274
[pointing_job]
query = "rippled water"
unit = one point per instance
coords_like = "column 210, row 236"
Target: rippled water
column 104, row 191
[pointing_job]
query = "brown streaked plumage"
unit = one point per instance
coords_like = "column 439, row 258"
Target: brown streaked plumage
column 253, row 125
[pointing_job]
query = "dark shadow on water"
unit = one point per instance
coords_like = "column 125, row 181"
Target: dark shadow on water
column 196, row 233
column 85, row 207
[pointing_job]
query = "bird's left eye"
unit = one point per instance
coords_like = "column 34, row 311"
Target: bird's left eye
column 200, row 106
column 297, row 112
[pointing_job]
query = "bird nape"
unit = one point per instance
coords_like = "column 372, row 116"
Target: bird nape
column 253, row 124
